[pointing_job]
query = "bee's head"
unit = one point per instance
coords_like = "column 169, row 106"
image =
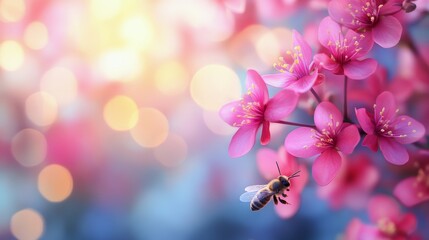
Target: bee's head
column 284, row 180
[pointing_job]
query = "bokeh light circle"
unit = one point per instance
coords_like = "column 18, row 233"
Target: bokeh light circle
column 12, row 10
column 151, row 129
column 27, row 224
column 215, row 123
column 36, row 35
column 29, row 147
column 41, row 108
column 61, row 83
column 55, row 183
column 120, row 65
column 214, row 85
column 120, row 113
column 171, row 78
column 11, row 55
column 172, row 152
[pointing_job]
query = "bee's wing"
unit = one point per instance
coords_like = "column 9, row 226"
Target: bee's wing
column 250, row 192
column 247, row 196
column 254, row 188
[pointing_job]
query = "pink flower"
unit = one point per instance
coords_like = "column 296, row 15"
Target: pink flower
column 344, row 51
column 253, row 110
column 266, row 160
column 414, row 190
column 389, row 222
column 367, row 91
column 352, row 186
column 298, row 72
column 330, row 137
column 373, row 16
column 387, row 131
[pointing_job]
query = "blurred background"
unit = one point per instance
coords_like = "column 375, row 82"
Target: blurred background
column 109, row 126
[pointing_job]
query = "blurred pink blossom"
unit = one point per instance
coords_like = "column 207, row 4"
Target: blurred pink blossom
column 414, row 190
column 356, row 179
column 387, row 131
column 266, row 160
column 253, row 110
column 330, row 137
column 388, row 222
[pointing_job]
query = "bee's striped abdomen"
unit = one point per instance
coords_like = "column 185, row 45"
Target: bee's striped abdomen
column 261, row 199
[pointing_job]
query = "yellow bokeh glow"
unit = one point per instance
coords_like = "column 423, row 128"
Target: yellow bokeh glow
column 120, row 113
column 29, row 147
column 55, row 183
column 171, row 78
column 12, row 10
column 214, row 85
column 120, row 65
column 60, row 83
column 272, row 44
column 138, row 32
column 105, row 9
column 41, row 108
column 151, row 129
column 172, row 152
column 36, row 35
column 27, row 224
column 11, row 55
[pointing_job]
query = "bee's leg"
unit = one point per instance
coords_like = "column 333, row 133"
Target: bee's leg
column 284, row 194
column 283, row 201
column 275, row 200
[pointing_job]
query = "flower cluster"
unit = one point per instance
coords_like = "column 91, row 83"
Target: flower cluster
column 331, row 145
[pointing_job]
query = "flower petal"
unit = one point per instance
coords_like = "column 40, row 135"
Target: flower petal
column 301, row 143
column 364, row 120
column 385, row 104
column 329, row 31
column 393, row 151
column 360, row 69
column 354, row 229
column 347, row 139
column 305, row 48
column 256, row 85
column 227, row 113
column 364, row 42
column 265, row 136
column 387, row 32
column 242, row 141
column 409, row 128
column 327, row 63
column 281, row 105
column 326, row 167
column 304, row 84
column 266, row 160
column 280, row 80
column 391, row 7
column 408, row 223
column 327, row 116
column 371, row 141
column 338, row 11
column 287, row 163
column 408, row 192
column 382, row 206
column 289, row 210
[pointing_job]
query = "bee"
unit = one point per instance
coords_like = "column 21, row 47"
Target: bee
column 260, row 195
